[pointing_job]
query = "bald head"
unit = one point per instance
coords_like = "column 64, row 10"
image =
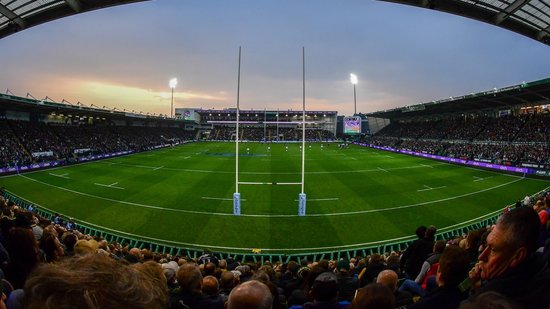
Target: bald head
column 388, row 278
column 210, row 285
column 136, row 252
column 250, row 295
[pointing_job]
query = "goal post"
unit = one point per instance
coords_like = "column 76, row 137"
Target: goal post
column 301, row 196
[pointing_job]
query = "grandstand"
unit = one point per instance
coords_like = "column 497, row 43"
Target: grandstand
column 262, row 125
column 508, row 126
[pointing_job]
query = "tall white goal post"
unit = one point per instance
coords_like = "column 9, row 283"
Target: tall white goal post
column 237, row 195
column 302, row 195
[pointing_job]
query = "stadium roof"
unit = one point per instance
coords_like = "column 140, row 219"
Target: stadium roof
column 530, row 18
column 17, row 15
column 47, row 106
column 525, row 94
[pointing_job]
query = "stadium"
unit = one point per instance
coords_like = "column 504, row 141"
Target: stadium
column 167, row 184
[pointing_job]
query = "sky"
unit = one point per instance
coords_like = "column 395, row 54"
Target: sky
column 124, row 56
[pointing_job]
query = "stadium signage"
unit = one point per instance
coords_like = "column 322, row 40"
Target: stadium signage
column 413, row 108
column 514, row 169
column 542, row 173
column 82, row 150
column 102, row 156
column 532, row 165
column 42, row 154
column 17, row 169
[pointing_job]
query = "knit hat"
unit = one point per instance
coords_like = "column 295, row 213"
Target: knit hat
column 342, row 266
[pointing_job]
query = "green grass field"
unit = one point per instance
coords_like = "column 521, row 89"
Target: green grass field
column 182, row 196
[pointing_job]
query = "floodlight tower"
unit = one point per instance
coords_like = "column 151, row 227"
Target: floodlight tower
column 172, row 83
column 353, row 80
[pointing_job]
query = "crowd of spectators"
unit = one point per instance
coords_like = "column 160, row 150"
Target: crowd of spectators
column 50, row 264
column 259, row 133
column 222, row 133
column 510, row 128
column 510, row 140
column 25, row 142
column 11, row 151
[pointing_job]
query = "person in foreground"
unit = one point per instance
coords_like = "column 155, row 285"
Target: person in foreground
column 509, row 264
column 453, row 269
column 93, row 281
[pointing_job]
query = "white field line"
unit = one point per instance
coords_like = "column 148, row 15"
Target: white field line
column 426, row 165
column 185, row 158
column 428, row 188
column 353, row 158
column 276, row 216
column 219, row 198
column 383, row 170
column 269, row 183
column 321, row 199
column 61, row 175
column 272, row 173
column 113, row 185
column 268, row 249
column 481, row 179
column 145, row 166
column 158, row 168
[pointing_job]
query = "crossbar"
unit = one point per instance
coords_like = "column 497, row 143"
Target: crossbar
column 269, row 183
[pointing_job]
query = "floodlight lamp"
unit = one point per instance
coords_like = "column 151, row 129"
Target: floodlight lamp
column 173, row 83
column 353, row 78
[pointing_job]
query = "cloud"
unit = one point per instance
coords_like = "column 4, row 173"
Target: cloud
column 146, row 100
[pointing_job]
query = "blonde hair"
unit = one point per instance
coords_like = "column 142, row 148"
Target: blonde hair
column 93, row 281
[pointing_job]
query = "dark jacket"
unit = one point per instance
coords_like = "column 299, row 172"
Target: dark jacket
column 346, row 287
column 441, row 298
column 326, row 305
column 528, row 284
column 185, row 300
column 415, row 255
